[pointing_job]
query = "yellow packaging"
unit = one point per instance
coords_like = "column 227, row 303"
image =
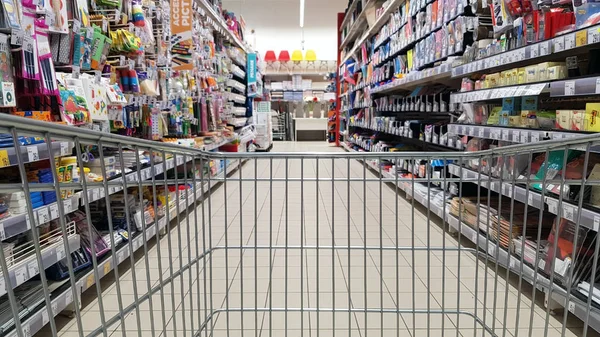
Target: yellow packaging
column 520, row 75
column 515, row 121
column 531, row 74
column 514, row 74
column 493, row 80
column 543, row 69
column 592, row 114
column 557, row 72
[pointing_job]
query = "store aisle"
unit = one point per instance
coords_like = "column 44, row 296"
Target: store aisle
column 310, row 217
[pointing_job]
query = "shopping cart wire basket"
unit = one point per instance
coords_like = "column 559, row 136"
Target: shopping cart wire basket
column 183, row 242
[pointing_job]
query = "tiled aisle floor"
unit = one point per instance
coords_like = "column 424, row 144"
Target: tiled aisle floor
column 349, row 211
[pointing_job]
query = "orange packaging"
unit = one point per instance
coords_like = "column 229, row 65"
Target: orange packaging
column 45, row 116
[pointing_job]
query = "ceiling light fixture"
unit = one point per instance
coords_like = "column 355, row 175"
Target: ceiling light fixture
column 301, row 13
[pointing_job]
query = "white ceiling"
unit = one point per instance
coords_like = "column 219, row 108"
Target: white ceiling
column 277, row 24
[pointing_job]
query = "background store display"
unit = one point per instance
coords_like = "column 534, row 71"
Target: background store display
column 134, row 68
column 476, row 76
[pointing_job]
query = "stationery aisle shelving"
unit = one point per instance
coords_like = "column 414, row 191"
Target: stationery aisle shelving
column 461, row 76
column 125, row 67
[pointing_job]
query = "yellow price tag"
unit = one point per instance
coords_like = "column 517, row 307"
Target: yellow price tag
column 4, row 161
column 581, row 38
column 90, row 281
column 107, row 267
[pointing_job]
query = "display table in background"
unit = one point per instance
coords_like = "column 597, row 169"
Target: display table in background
column 310, row 128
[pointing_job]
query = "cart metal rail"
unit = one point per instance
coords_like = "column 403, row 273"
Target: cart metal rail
column 303, row 244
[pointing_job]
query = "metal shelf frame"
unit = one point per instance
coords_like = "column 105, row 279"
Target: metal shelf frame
column 64, row 299
column 501, row 255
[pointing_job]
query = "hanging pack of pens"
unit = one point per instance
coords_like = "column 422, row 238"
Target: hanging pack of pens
column 203, row 115
column 48, row 76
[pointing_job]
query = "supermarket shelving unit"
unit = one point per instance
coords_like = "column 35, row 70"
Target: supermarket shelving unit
column 449, row 73
column 64, row 296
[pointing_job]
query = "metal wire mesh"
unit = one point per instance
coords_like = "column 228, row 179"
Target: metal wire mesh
column 187, row 243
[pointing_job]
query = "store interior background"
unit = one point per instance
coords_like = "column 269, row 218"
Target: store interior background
column 281, row 30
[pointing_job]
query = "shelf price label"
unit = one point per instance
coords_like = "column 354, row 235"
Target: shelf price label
column 570, row 41
column 569, row 88
column 20, row 276
column 504, row 134
column 524, row 136
column 33, row 268
column 535, row 50
column 593, row 35
column 558, row 44
column 544, row 48
column 65, row 149
column 597, row 85
column 60, row 253
column 32, row 153
column 43, row 215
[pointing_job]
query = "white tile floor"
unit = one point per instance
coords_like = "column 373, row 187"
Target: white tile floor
column 354, row 213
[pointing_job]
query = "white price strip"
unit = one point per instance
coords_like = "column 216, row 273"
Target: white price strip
column 33, row 269
column 598, row 85
column 596, row 223
column 43, row 215
column 559, row 43
column 530, row 199
column 122, row 256
column 20, row 276
column 68, row 205
column 2, row 233
column 60, row 253
column 569, row 41
column 535, row 50
column 569, row 88
column 53, row 211
column 544, row 48
column 552, row 206
column 480, row 133
column 572, row 307
column 45, row 319
column 2, row 286
column 515, row 136
column 524, row 137
column 504, row 134
column 16, row 37
column 568, row 212
column 65, row 149
column 32, row 153
column 593, row 35
column 69, row 297
column 535, row 137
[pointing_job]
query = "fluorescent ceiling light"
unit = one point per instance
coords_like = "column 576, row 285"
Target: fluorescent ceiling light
column 301, row 13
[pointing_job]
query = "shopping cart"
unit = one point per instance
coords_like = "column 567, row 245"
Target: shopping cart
column 302, row 244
